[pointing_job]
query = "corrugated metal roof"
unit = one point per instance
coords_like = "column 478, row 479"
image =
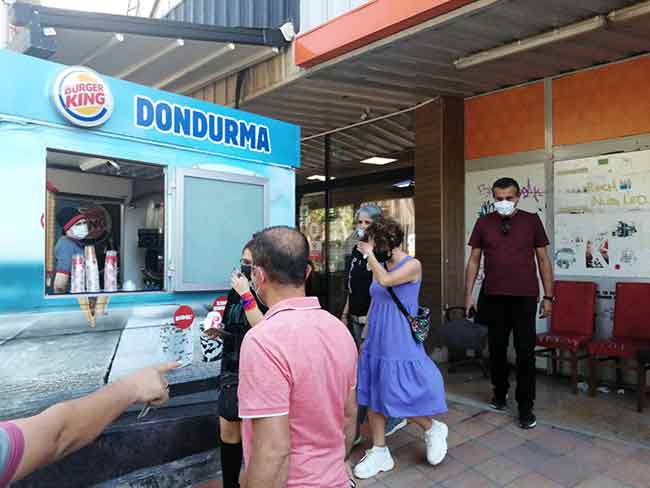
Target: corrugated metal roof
column 314, row 13
column 238, row 13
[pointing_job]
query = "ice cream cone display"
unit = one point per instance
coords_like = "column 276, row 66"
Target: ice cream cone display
column 78, row 274
column 92, row 270
column 211, row 331
column 88, row 307
column 102, row 305
column 110, row 271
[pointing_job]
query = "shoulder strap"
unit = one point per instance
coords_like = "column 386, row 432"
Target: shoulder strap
column 397, row 301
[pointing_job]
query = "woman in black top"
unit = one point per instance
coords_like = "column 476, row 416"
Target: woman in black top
column 242, row 312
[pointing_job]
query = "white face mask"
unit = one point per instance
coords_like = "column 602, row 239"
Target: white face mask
column 78, row 231
column 360, row 232
column 255, row 288
column 504, row 207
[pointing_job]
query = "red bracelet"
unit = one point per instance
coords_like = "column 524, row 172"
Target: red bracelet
column 249, row 305
column 247, row 297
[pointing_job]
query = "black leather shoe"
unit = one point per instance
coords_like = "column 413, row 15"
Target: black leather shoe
column 499, row 404
column 527, row 421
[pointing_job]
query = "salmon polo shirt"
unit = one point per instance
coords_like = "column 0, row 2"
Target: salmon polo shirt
column 300, row 361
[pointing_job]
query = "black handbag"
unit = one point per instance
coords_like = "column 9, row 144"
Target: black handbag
column 420, row 324
column 227, row 401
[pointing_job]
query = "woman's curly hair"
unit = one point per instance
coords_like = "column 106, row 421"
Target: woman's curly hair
column 386, row 233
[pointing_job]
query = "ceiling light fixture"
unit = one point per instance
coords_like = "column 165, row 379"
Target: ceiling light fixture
column 631, row 12
column 404, row 184
column 533, row 42
column 376, row 160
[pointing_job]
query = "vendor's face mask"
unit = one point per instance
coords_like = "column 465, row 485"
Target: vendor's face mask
column 78, row 231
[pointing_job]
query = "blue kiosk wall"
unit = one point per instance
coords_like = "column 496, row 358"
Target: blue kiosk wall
column 49, row 352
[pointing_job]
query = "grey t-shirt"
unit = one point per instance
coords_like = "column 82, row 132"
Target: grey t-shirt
column 63, row 251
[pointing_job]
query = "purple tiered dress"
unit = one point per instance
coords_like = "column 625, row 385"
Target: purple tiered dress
column 396, row 376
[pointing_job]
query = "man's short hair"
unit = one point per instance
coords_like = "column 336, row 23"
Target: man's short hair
column 503, row 183
column 283, row 253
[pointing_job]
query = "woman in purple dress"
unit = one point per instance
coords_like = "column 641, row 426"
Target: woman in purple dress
column 396, row 376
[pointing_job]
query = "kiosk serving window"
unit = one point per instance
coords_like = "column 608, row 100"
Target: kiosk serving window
column 105, row 226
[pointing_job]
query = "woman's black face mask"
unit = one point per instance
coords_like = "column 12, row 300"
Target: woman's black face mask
column 247, row 270
column 383, row 256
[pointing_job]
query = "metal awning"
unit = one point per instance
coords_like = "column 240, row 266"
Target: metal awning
column 481, row 47
column 175, row 56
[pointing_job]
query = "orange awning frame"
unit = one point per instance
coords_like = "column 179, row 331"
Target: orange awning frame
column 370, row 22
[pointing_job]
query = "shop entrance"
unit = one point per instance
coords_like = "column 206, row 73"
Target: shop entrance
column 368, row 164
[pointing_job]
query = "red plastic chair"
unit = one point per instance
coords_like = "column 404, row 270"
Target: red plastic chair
column 572, row 325
column 631, row 336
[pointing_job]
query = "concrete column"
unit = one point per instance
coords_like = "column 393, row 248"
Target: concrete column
column 440, row 202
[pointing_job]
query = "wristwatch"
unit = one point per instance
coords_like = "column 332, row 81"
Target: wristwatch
column 550, row 299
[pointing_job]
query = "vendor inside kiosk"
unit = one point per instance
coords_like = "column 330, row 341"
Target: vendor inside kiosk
column 108, row 232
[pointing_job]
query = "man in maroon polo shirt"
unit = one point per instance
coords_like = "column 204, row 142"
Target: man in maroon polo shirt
column 510, row 239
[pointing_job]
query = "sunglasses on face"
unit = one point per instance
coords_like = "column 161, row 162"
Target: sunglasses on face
column 367, row 222
column 506, row 225
column 246, row 262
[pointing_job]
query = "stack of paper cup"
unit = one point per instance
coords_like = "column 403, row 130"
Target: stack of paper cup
column 92, row 270
column 110, row 271
column 78, row 275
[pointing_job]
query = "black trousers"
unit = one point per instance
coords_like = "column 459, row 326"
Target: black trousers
column 505, row 314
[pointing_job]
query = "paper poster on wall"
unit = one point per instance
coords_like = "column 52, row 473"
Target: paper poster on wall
column 602, row 216
column 479, row 201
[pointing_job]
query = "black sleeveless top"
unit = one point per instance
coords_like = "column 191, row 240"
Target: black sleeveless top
column 235, row 326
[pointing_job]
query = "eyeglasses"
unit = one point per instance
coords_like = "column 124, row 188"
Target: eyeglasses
column 360, row 221
column 506, row 225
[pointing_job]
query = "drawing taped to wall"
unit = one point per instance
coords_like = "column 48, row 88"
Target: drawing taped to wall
column 603, row 216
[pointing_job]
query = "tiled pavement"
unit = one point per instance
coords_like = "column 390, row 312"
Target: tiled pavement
column 488, row 450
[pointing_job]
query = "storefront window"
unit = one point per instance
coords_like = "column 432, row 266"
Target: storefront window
column 105, row 229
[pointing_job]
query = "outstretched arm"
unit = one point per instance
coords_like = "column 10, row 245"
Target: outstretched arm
column 69, row 426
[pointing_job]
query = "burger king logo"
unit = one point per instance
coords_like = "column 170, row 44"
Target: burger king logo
column 82, row 97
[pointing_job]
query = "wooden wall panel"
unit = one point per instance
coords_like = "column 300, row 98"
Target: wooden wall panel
column 604, row 103
column 440, row 202
column 428, row 213
column 453, row 204
column 505, row 122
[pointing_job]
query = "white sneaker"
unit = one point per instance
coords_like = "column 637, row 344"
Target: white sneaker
column 436, row 440
column 375, row 461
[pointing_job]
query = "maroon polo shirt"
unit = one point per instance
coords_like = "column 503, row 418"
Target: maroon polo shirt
column 510, row 267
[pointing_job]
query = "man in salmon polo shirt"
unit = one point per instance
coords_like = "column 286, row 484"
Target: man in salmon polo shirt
column 297, row 376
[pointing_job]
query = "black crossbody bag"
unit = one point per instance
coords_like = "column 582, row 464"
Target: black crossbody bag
column 420, row 324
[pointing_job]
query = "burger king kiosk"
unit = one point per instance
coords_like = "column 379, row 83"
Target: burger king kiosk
column 170, row 189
